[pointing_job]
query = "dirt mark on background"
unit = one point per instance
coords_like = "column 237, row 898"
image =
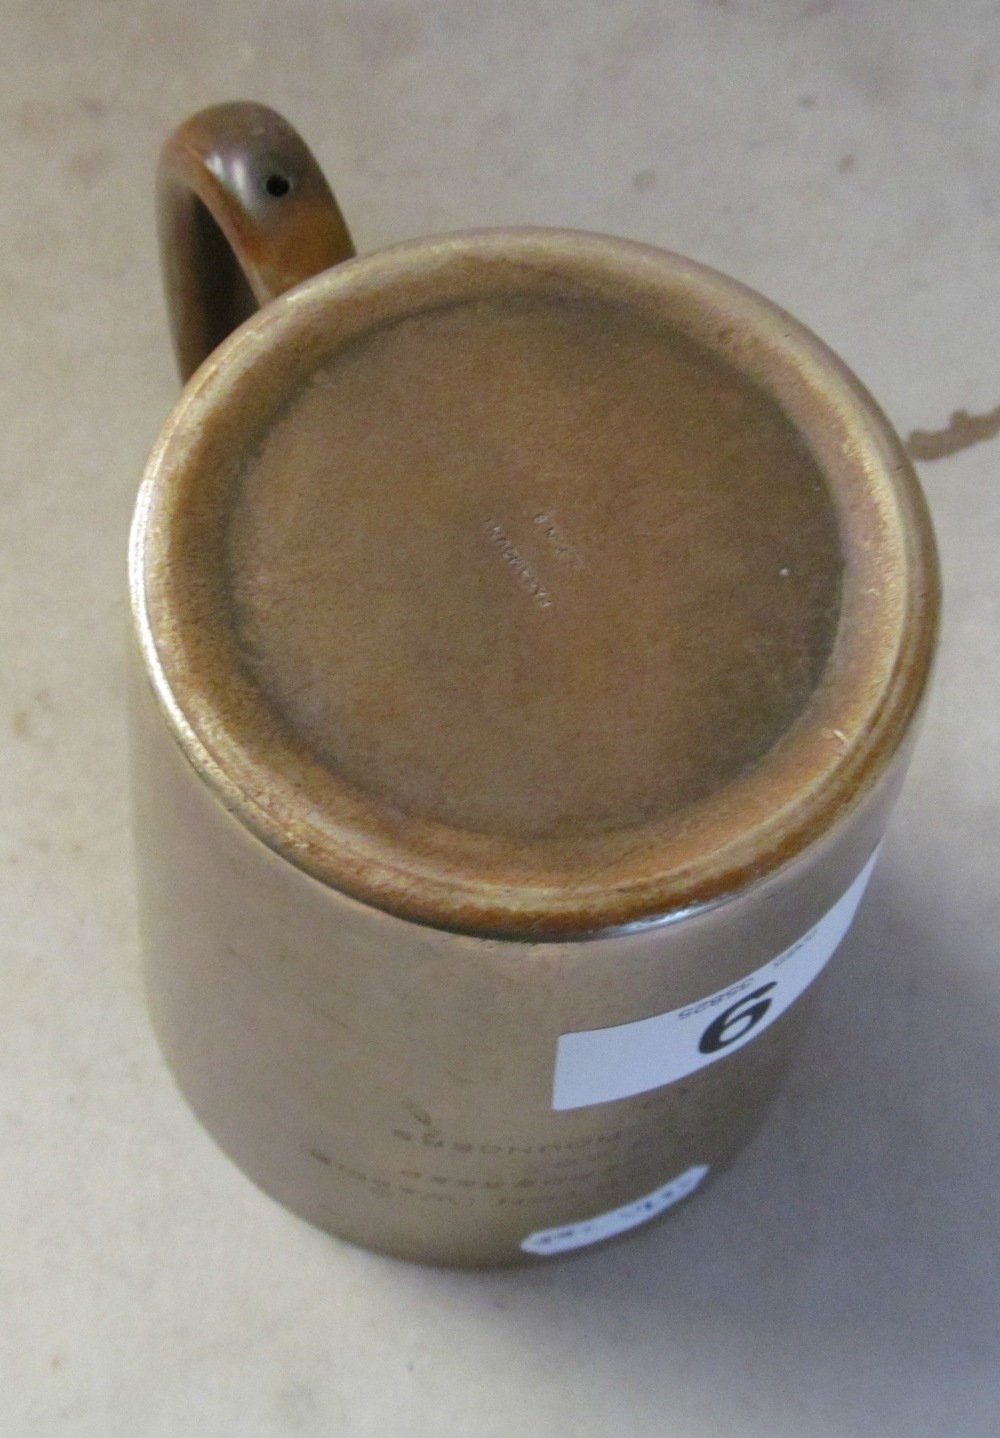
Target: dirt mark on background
column 961, row 431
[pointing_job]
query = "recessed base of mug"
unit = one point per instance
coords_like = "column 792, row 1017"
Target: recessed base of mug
column 531, row 583
column 533, row 567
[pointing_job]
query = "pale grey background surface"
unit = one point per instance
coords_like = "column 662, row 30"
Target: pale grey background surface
column 843, row 1279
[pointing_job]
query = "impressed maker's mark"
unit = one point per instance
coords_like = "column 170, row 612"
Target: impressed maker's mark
column 511, row 555
column 546, row 526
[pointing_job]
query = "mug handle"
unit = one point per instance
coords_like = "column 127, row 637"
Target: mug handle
column 244, row 214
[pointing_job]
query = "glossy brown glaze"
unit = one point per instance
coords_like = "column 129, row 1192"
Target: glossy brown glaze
column 245, row 213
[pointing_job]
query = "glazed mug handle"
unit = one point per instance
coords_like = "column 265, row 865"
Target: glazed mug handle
column 244, row 213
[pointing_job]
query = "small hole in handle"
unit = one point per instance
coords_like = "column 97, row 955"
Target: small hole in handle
column 277, row 185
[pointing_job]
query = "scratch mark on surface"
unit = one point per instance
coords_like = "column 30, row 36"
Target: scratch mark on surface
column 961, row 432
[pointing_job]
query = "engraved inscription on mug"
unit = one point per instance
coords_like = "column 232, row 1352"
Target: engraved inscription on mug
column 511, row 555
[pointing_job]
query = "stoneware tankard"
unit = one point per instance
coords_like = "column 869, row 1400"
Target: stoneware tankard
column 529, row 629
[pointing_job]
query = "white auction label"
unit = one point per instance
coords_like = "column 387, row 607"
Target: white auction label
column 600, row 1065
column 592, row 1230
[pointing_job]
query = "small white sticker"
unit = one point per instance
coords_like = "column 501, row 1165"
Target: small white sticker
column 592, row 1230
column 600, row 1065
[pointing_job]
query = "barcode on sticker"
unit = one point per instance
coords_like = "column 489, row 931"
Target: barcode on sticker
column 601, row 1065
column 606, row 1225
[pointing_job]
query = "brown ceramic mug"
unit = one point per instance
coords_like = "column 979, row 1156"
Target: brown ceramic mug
column 530, row 629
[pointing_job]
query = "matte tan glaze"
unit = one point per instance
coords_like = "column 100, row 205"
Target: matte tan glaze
column 392, row 1082
column 533, row 627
